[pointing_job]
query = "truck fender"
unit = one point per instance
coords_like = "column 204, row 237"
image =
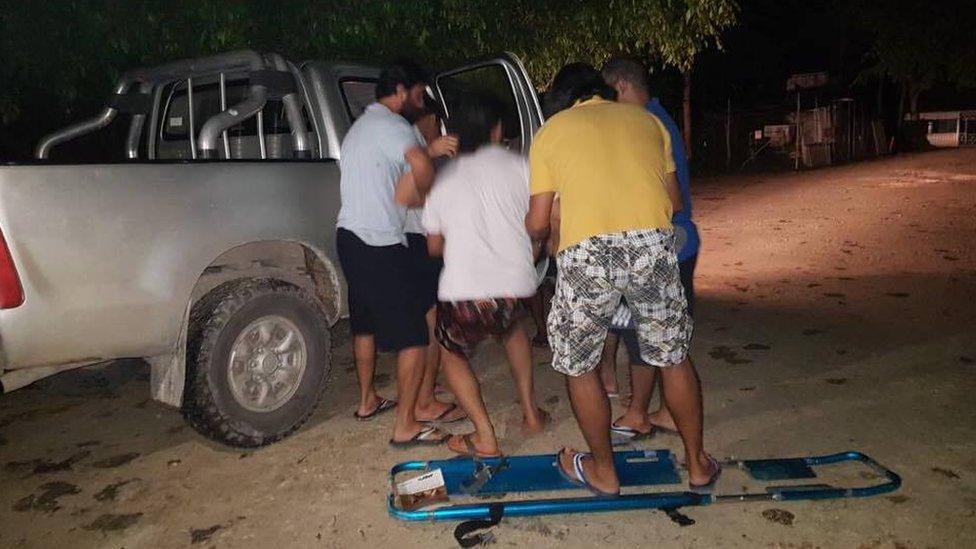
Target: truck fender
column 167, row 374
column 168, row 371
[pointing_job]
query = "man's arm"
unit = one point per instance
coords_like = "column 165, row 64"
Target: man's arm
column 406, row 193
column 422, row 168
column 554, row 222
column 674, row 193
column 537, row 221
column 435, row 245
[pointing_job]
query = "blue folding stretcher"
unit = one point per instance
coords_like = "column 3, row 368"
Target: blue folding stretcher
column 491, row 488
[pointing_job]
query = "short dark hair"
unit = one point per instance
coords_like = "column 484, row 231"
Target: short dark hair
column 403, row 72
column 575, row 82
column 473, row 118
column 627, row 69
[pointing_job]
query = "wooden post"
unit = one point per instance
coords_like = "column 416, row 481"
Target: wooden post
column 728, row 135
column 686, row 107
column 796, row 164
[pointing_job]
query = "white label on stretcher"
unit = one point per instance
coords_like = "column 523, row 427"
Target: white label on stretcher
column 176, row 121
column 427, row 481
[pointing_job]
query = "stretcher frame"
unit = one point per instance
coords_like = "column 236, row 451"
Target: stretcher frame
column 635, row 468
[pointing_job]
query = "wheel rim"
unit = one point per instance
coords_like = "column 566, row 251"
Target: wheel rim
column 267, row 363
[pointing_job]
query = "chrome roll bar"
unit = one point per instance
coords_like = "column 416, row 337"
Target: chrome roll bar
column 178, row 70
column 78, row 129
column 293, row 110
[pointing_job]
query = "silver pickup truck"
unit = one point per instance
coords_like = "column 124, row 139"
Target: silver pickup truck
column 208, row 247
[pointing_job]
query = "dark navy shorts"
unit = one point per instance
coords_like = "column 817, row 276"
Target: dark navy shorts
column 383, row 290
column 426, row 269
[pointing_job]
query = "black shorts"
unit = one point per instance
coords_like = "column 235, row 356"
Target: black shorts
column 382, row 293
column 686, row 269
column 426, row 269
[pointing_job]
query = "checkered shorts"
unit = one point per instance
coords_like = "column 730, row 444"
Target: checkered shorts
column 593, row 275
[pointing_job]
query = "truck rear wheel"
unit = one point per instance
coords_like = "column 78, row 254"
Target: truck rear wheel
column 257, row 362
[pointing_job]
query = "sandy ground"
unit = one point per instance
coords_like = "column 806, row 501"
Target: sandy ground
column 836, row 311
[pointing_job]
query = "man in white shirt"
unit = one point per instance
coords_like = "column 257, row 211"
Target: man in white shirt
column 384, row 312
column 474, row 217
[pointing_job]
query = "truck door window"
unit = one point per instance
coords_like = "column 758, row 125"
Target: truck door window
column 357, row 95
column 489, row 79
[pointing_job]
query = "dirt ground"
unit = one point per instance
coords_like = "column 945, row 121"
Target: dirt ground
column 836, row 311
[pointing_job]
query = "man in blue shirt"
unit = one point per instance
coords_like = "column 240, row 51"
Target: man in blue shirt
column 629, row 78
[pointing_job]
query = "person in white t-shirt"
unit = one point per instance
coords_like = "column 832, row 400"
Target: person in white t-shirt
column 475, row 217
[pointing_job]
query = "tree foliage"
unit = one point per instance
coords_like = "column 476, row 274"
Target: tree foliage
column 916, row 43
column 59, row 59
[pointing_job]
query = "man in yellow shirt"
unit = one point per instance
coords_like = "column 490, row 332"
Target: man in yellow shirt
column 611, row 165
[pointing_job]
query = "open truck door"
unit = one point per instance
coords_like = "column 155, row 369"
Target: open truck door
column 505, row 78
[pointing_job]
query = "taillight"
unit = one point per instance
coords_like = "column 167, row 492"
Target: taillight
column 11, row 293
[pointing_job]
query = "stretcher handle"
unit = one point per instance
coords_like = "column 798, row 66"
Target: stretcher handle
column 892, row 484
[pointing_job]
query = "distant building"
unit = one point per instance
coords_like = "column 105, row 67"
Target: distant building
column 948, row 128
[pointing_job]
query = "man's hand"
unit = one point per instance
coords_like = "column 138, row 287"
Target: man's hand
column 537, row 249
column 445, row 145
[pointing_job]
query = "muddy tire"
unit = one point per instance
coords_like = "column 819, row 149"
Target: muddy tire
column 258, row 357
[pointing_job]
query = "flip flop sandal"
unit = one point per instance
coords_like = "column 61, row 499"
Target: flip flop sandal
column 625, row 435
column 385, row 405
column 444, row 414
column 665, row 430
column 579, row 475
column 471, row 450
column 705, row 488
column 423, row 438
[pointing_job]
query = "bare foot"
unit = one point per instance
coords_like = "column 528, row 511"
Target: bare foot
column 537, row 423
column 443, row 412
column 702, row 470
column 604, row 481
column 472, row 445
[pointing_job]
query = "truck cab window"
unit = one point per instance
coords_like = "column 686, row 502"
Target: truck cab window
column 242, row 139
column 357, row 95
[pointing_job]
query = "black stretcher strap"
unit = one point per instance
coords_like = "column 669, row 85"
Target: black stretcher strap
column 278, row 83
column 465, row 532
column 677, row 516
column 131, row 103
